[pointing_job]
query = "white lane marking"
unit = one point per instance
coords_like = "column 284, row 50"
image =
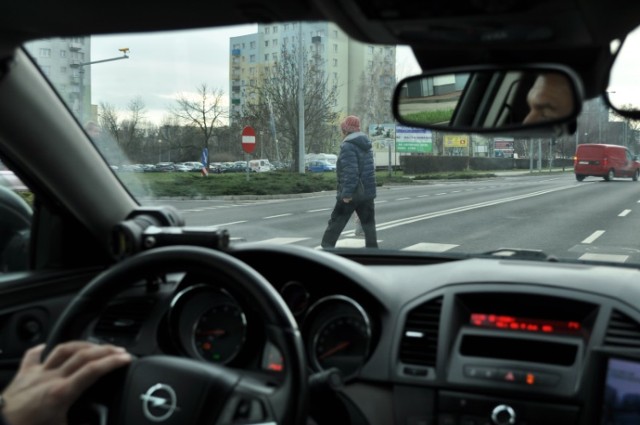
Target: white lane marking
column 624, row 213
column 277, row 216
column 426, row 196
column 604, row 257
column 430, row 247
column 409, row 220
column 284, row 241
column 319, row 210
column 595, row 235
column 226, row 224
column 349, row 243
column 440, row 194
column 402, row 199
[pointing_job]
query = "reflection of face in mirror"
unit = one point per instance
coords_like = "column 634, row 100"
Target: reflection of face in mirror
column 550, row 97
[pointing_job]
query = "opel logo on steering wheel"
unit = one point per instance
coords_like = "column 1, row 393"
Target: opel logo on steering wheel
column 159, row 402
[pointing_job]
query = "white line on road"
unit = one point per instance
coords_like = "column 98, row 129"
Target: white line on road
column 226, row 224
column 590, row 256
column 624, row 213
column 595, row 235
column 320, row 210
column 409, row 220
column 284, row 241
column 277, row 216
column 430, row 247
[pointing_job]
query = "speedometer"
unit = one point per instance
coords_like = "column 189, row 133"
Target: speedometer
column 338, row 334
column 220, row 332
column 342, row 343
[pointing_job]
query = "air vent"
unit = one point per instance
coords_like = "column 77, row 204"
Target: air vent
column 120, row 323
column 623, row 331
column 420, row 334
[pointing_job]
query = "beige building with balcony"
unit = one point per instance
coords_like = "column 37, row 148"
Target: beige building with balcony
column 344, row 61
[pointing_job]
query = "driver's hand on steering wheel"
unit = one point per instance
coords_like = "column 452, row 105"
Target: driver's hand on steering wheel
column 43, row 392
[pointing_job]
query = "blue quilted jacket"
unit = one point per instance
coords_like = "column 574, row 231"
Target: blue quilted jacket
column 355, row 160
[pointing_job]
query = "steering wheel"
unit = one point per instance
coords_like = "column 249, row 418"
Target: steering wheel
column 175, row 390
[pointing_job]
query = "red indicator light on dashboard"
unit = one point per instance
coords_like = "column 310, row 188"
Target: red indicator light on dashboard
column 275, row 366
column 530, row 379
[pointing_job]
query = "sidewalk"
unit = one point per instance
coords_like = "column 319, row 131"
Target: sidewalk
column 508, row 173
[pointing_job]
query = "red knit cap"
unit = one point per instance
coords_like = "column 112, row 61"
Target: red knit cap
column 351, row 124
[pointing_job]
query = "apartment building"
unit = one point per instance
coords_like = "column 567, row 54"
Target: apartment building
column 344, row 62
column 62, row 60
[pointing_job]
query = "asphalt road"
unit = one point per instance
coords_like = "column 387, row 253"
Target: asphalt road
column 554, row 213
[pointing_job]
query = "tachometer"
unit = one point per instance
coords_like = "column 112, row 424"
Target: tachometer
column 338, row 334
column 208, row 323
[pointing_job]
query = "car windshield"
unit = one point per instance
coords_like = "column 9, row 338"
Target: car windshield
column 180, row 116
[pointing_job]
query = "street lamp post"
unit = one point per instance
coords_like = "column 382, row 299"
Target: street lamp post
column 159, row 150
column 301, row 148
column 80, row 67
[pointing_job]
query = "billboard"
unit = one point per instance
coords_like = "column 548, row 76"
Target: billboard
column 503, row 147
column 413, row 140
column 391, row 140
column 383, row 136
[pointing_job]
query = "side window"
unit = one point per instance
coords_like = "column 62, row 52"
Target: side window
column 15, row 222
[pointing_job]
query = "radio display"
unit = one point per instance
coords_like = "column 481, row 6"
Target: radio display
column 515, row 323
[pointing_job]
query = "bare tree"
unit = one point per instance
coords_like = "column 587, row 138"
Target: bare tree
column 273, row 104
column 109, row 120
column 632, row 126
column 204, row 112
column 128, row 132
column 375, row 90
column 133, row 128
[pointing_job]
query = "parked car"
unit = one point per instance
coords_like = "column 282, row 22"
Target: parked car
column 606, row 161
column 260, row 165
column 182, row 168
column 492, row 299
column 164, row 166
column 238, row 168
column 320, row 166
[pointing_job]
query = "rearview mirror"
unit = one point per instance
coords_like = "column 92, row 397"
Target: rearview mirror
column 491, row 99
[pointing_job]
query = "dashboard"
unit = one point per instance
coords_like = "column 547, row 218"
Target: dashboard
column 468, row 342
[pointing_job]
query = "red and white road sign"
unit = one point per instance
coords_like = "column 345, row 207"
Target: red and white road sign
column 248, row 139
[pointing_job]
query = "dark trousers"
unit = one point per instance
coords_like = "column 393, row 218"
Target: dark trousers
column 340, row 216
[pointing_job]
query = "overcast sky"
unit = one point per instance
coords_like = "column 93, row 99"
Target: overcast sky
column 624, row 84
column 151, row 70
